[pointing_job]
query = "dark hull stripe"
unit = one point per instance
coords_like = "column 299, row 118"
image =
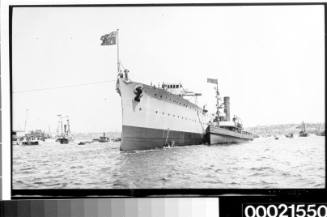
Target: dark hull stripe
column 244, row 137
column 226, row 139
column 140, row 138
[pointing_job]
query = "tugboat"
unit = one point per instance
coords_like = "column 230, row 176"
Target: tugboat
column 104, row 138
column 222, row 130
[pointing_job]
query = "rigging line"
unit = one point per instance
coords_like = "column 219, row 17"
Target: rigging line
column 64, row 86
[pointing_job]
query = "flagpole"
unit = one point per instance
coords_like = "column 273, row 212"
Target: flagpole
column 118, row 62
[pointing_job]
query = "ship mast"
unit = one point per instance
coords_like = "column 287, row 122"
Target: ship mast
column 26, row 113
column 118, row 61
column 112, row 39
column 60, row 127
column 68, row 126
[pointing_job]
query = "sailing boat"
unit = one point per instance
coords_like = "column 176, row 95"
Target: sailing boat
column 63, row 132
column 28, row 138
column 303, row 132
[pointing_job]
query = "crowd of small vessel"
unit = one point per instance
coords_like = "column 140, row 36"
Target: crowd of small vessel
column 36, row 137
column 63, row 135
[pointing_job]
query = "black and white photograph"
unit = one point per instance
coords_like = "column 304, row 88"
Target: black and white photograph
column 168, row 97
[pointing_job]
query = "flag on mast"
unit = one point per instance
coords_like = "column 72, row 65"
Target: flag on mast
column 109, row 39
column 211, row 80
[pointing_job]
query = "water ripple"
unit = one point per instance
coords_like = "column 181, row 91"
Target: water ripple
column 263, row 163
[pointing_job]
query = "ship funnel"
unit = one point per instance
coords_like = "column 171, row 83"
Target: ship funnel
column 227, row 108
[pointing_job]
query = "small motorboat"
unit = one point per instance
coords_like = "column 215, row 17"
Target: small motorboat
column 30, row 141
column 102, row 139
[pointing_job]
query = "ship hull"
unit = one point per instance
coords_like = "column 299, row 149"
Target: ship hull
column 141, row 138
column 223, row 136
column 158, row 118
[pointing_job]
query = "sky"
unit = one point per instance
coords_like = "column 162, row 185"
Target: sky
column 268, row 59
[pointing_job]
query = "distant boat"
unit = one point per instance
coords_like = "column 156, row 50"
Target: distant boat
column 30, row 141
column 289, row 135
column 104, row 138
column 63, row 135
column 303, row 132
column 28, row 138
column 320, row 132
column 62, row 140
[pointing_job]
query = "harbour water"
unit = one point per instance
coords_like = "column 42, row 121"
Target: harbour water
column 263, row 163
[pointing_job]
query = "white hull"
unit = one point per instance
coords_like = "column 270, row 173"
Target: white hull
column 158, row 118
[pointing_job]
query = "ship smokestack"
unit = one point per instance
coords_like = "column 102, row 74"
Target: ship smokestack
column 227, row 108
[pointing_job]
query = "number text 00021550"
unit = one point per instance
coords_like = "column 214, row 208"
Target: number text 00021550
column 284, row 210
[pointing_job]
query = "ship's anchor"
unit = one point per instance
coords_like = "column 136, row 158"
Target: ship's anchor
column 138, row 93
